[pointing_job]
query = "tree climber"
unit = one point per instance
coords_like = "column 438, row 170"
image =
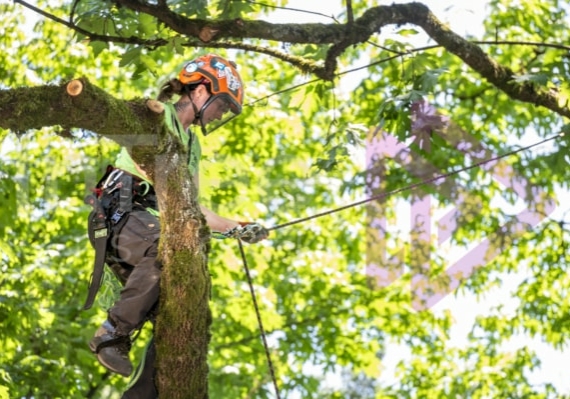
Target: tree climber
column 210, row 89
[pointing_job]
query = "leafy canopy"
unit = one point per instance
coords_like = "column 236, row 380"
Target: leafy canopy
column 291, row 155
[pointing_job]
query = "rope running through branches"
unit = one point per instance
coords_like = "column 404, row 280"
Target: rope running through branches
column 351, row 205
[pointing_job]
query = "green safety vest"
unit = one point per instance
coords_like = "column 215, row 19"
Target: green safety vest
column 126, row 163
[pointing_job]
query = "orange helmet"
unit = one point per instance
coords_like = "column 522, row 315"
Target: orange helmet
column 222, row 76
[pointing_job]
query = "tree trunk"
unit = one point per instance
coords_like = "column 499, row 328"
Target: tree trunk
column 182, row 330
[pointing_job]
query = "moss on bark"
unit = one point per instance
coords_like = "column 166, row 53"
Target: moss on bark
column 183, row 325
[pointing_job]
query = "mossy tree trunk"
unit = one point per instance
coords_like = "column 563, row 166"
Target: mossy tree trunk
column 182, row 330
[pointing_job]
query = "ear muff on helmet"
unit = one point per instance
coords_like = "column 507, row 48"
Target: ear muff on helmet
column 219, row 74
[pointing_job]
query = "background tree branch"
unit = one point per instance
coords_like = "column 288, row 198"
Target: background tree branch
column 339, row 37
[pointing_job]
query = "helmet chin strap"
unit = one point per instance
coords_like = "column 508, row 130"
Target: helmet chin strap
column 198, row 116
column 199, row 113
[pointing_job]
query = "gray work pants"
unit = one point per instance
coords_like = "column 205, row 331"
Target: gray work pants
column 137, row 245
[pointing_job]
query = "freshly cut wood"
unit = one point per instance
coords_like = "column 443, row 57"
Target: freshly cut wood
column 74, row 88
column 155, row 106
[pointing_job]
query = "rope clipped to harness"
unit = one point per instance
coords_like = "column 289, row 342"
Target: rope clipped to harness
column 247, row 232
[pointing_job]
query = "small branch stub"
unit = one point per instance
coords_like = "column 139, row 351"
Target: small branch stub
column 207, row 34
column 155, row 106
column 74, row 88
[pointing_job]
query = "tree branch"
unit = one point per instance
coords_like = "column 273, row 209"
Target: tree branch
column 349, row 14
column 476, row 58
column 86, row 107
column 94, row 36
column 340, row 37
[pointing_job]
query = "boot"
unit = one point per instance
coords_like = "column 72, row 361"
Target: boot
column 112, row 349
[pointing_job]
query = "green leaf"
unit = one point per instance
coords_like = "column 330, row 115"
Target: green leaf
column 407, row 32
column 176, row 44
column 428, row 80
column 147, row 24
column 130, row 56
column 539, row 79
column 4, row 392
column 98, row 47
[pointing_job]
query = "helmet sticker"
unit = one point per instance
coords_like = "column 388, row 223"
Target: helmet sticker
column 218, row 65
column 191, row 67
column 225, row 72
column 220, row 74
column 233, row 82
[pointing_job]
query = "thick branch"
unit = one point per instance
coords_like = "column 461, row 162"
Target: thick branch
column 80, row 105
column 476, row 58
column 239, row 28
column 26, row 108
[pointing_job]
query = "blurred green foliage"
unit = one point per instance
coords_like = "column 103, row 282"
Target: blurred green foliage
column 289, row 156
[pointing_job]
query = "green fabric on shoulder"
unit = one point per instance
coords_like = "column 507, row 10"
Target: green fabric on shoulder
column 125, row 162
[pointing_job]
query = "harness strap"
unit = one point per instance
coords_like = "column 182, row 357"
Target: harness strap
column 98, row 230
column 125, row 186
column 180, row 129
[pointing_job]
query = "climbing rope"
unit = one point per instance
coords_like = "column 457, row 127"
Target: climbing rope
column 235, row 233
column 259, row 322
column 414, row 185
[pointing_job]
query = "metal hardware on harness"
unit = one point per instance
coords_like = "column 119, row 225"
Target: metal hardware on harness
column 112, row 180
column 234, row 232
column 116, row 217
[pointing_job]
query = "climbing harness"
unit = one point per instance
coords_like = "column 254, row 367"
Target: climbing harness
column 239, row 232
column 114, row 196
